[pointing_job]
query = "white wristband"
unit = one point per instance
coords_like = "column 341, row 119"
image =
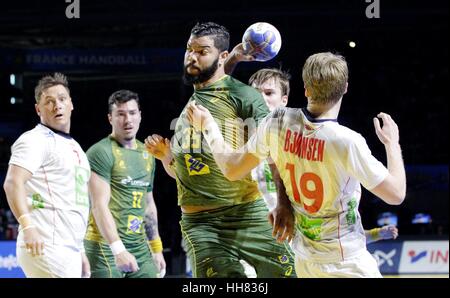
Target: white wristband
column 117, row 247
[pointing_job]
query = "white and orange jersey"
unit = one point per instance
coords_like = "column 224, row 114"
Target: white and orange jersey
column 57, row 192
column 322, row 165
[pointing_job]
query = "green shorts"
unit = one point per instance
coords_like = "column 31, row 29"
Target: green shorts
column 217, row 240
column 103, row 265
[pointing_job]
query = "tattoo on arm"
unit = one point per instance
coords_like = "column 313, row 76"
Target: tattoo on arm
column 151, row 225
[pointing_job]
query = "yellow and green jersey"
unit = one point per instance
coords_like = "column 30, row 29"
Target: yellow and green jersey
column 199, row 179
column 130, row 174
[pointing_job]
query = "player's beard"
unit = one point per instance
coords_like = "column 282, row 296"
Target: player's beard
column 203, row 76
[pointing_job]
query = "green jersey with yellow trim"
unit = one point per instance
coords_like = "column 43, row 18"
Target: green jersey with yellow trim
column 199, row 179
column 130, row 173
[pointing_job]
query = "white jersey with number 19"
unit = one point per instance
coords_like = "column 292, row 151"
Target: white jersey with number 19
column 322, row 164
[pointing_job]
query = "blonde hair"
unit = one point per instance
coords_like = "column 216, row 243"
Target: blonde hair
column 325, row 76
column 263, row 75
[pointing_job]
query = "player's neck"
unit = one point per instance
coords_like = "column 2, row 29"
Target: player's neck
column 128, row 144
column 220, row 73
column 330, row 111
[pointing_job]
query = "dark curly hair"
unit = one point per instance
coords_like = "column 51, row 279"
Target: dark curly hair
column 219, row 34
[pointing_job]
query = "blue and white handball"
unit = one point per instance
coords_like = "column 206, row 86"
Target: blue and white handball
column 262, row 40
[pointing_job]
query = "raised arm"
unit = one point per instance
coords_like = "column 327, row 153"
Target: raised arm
column 237, row 55
column 100, row 193
column 393, row 188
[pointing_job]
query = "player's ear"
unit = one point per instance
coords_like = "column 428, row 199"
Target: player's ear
column 37, row 109
column 284, row 100
column 222, row 57
column 109, row 118
column 346, row 86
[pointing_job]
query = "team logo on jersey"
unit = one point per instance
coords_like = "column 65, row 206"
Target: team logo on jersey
column 144, row 154
column 195, row 166
column 284, row 259
column 310, row 227
column 351, row 213
column 131, row 182
column 81, row 189
column 210, row 272
column 36, row 201
column 134, row 225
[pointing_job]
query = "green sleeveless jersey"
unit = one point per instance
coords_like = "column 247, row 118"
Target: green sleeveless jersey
column 199, row 179
column 130, row 174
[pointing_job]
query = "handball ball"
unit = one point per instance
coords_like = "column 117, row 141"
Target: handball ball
column 262, row 40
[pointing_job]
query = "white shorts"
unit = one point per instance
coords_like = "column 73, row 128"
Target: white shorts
column 57, row 261
column 363, row 265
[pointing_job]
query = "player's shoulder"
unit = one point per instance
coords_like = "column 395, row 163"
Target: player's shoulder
column 141, row 148
column 347, row 135
column 102, row 146
column 242, row 90
column 39, row 134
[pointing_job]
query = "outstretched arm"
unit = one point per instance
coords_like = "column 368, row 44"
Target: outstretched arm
column 393, row 188
column 234, row 165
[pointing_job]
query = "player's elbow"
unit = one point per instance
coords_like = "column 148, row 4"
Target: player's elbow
column 396, row 198
column 9, row 185
column 390, row 192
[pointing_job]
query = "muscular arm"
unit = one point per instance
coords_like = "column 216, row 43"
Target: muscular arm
column 100, row 193
column 234, row 165
column 282, row 217
column 151, row 218
column 14, row 187
column 151, row 228
column 237, row 55
column 393, row 188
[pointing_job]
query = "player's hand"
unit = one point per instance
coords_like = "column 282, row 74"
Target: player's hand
column 158, row 146
column 160, row 263
column 198, row 116
column 389, row 232
column 238, row 54
column 126, row 262
column 388, row 134
column 33, row 241
column 85, row 266
column 283, row 221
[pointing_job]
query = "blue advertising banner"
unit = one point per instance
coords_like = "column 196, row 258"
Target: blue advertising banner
column 8, row 261
column 153, row 60
column 388, row 255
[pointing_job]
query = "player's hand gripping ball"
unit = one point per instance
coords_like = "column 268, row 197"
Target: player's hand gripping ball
column 262, row 41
